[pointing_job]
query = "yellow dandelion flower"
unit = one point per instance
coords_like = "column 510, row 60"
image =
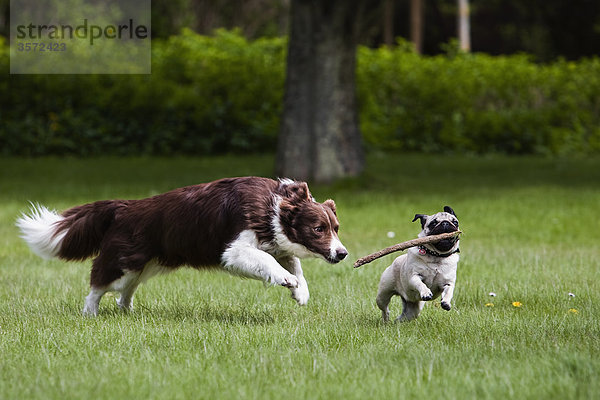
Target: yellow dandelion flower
column 516, row 304
column 489, row 304
column 573, row 311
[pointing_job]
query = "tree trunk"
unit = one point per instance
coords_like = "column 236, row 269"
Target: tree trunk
column 319, row 138
column 417, row 8
column 388, row 22
column 464, row 26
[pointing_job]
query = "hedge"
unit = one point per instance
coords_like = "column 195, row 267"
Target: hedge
column 205, row 95
column 223, row 93
column 478, row 103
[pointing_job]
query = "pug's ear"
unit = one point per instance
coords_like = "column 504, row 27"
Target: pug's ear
column 449, row 210
column 422, row 217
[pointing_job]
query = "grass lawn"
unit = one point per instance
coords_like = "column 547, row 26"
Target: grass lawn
column 531, row 236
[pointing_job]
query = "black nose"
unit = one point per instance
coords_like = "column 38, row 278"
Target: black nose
column 340, row 254
column 445, row 224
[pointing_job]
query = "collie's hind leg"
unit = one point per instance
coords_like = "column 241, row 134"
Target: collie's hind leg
column 129, row 282
column 126, row 286
column 99, row 279
column 92, row 301
column 106, row 276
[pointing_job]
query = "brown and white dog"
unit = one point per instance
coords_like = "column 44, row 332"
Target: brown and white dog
column 250, row 226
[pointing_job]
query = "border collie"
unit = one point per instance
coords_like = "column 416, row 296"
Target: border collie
column 250, row 226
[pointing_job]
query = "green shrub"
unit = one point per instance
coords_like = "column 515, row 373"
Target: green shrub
column 223, row 94
column 477, row 103
column 213, row 94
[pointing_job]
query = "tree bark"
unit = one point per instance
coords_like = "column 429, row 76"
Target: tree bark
column 388, row 23
column 319, row 137
column 417, row 8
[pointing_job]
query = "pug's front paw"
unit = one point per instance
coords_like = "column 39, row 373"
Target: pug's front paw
column 427, row 295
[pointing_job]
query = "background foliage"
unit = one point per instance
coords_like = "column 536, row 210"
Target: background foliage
column 478, row 103
column 222, row 94
column 547, row 29
column 205, row 94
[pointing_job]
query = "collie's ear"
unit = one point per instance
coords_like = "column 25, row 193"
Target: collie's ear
column 422, row 217
column 288, row 211
column 289, row 207
column 330, row 204
column 297, row 191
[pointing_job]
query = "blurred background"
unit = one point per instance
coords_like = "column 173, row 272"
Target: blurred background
column 424, row 76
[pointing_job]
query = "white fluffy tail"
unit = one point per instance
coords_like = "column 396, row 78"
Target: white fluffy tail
column 38, row 230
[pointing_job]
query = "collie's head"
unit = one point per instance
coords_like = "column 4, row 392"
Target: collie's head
column 304, row 227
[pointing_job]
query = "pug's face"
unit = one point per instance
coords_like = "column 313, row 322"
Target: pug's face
column 442, row 222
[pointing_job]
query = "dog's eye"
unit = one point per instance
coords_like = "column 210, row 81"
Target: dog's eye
column 319, row 229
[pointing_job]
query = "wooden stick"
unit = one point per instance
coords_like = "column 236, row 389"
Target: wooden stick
column 404, row 246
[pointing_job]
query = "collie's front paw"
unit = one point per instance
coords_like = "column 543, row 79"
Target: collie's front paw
column 288, row 281
column 300, row 294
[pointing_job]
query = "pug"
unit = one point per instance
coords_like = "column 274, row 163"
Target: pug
column 423, row 273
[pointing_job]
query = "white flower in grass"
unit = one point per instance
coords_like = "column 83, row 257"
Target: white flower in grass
column 571, row 294
column 391, row 234
column 492, row 294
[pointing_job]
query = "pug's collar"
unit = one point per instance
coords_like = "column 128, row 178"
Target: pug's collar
column 424, row 250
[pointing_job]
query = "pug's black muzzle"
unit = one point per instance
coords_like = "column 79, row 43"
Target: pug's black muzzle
column 446, row 244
